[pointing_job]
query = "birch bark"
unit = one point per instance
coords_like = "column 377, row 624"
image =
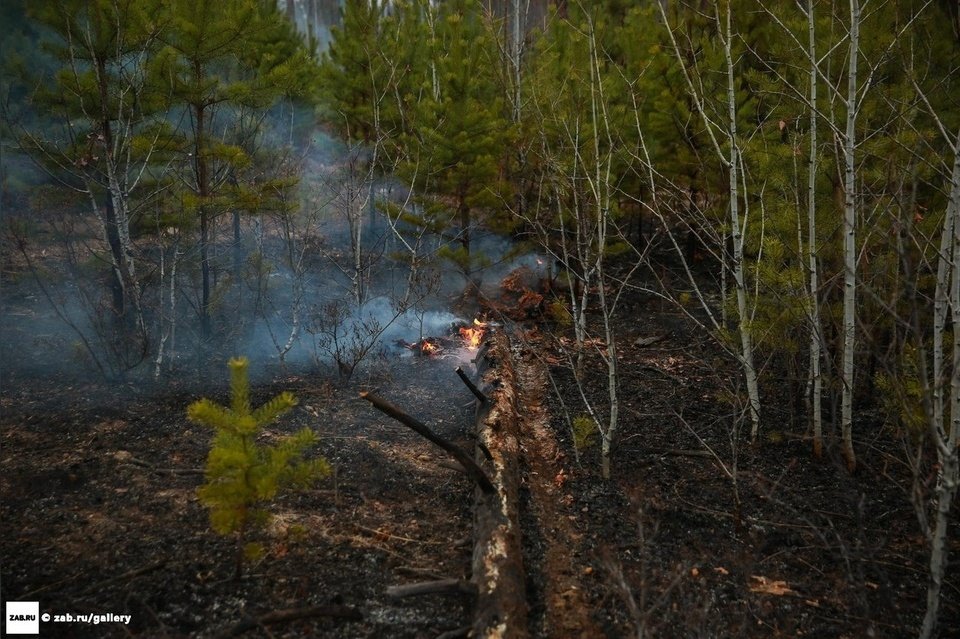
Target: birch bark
column 946, row 436
column 849, row 243
column 816, row 333
column 746, row 336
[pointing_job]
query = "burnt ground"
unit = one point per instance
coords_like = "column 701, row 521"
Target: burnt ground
column 99, row 510
column 661, row 550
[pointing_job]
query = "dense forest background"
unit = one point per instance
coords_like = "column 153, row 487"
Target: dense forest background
column 299, row 180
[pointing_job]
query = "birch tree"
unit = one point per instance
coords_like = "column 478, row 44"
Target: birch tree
column 945, row 435
column 731, row 161
column 101, row 99
column 850, row 239
column 816, row 330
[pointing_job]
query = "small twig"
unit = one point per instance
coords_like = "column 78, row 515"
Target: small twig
column 418, row 572
column 678, row 452
column 380, row 533
column 292, row 614
column 457, row 633
column 670, row 376
column 473, row 388
column 37, row 591
column 483, row 447
column 133, row 461
column 130, row 574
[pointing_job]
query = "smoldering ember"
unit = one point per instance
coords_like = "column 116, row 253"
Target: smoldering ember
column 462, row 318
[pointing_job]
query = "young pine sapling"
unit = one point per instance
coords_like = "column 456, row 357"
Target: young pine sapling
column 242, row 475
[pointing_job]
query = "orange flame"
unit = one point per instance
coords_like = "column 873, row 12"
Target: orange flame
column 473, row 335
column 428, row 348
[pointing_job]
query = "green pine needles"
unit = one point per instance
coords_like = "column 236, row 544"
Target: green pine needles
column 242, row 475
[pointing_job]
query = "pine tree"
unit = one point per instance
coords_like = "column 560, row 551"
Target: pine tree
column 242, row 475
column 457, row 140
column 100, row 103
column 220, row 58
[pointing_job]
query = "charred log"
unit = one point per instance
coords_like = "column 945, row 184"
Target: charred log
column 501, row 607
column 473, row 389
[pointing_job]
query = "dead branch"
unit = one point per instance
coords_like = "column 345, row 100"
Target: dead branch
column 644, row 342
column 133, row 461
column 130, row 574
column 291, row 614
column 473, row 388
column 471, row 467
column 439, row 586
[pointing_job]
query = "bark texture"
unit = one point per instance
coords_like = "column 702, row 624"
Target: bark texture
column 501, row 607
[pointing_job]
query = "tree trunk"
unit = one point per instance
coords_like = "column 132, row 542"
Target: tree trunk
column 946, row 437
column 816, row 333
column 203, row 191
column 125, row 286
column 743, row 319
column 849, row 243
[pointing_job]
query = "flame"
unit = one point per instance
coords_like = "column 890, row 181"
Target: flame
column 473, row 335
column 428, row 348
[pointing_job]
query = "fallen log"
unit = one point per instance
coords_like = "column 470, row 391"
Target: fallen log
column 501, row 607
column 472, row 469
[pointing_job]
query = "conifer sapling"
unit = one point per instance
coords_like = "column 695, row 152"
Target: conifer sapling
column 242, row 476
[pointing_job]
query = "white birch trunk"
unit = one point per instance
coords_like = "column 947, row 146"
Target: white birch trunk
column 945, row 436
column 603, row 199
column 746, row 337
column 849, row 243
column 816, row 332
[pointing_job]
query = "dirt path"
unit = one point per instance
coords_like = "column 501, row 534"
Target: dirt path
column 555, row 565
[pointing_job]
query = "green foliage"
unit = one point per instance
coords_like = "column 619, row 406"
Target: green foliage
column 242, row 475
column 584, row 432
column 421, row 84
column 901, row 394
column 559, row 313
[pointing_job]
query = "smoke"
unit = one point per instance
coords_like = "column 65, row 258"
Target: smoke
column 293, row 293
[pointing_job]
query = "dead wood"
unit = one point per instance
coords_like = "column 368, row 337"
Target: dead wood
column 292, row 614
column 473, row 470
column 643, row 342
column 130, row 574
column 457, row 633
column 133, row 461
column 473, row 388
column 678, row 452
column 501, row 607
column 435, row 587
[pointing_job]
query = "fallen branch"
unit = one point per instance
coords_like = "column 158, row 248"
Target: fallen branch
column 439, row 586
column 130, row 574
column 133, row 461
column 291, row 614
column 473, row 388
column 643, row 342
column 472, row 469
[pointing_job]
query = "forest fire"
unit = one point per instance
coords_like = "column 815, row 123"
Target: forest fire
column 428, row 348
column 473, row 335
